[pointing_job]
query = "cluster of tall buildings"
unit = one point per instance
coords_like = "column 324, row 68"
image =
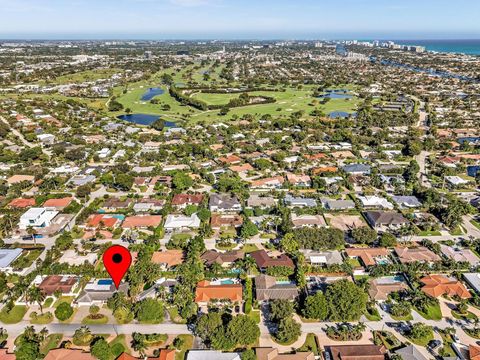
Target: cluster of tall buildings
column 389, row 45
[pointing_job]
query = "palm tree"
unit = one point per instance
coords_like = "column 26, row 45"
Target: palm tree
column 29, row 333
column 34, row 294
column 32, row 232
column 138, row 343
column 248, row 264
column 3, row 335
column 43, row 334
column 83, row 335
column 216, row 268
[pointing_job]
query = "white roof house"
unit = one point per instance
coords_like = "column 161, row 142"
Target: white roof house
column 65, row 169
column 212, row 355
column 37, row 217
column 102, row 154
column 120, row 153
column 456, row 180
column 375, row 201
column 175, row 222
column 46, row 138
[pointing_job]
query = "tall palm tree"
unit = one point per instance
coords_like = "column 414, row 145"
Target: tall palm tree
column 34, row 294
column 32, row 232
column 248, row 264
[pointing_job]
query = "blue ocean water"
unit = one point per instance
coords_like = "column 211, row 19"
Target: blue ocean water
column 469, row 46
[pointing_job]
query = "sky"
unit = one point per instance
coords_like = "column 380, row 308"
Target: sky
column 239, row 19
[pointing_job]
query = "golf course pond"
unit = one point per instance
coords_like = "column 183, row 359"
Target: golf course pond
column 151, row 93
column 144, row 119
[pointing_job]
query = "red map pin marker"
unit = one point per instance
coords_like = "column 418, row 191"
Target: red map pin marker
column 117, row 259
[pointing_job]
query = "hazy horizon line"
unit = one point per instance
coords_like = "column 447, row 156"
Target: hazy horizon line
column 146, row 38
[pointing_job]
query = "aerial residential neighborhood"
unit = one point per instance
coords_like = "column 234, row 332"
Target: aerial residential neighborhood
column 278, row 199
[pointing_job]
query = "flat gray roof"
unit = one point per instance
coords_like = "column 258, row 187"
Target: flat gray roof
column 7, row 256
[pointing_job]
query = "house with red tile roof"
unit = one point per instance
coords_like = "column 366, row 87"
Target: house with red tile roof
column 474, row 352
column 165, row 354
column 230, row 160
column 241, row 168
column 420, row 253
column 21, row 203
column 367, row 255
column 183, row 200
column 324, row 169
column 15, row 179
column 438, row 285
column 125, row 356
column 315, row 157
column 141, row 221
column 205, row 292
column 225, row 259
column 68, row 354
column 218, row 221
column 5, row 355
column 357, row 352
column 264, row 260
column 299, row 180
column 168, row 258
column 58, row 204
column 268, row 183
column 56, row 283
column 103, row 220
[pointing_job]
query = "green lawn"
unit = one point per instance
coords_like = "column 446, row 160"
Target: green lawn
column 255, row 315
column 26, row 259
column 430, row 233
column 248, row 248
column 355, row 263
column 87, row 320
column 310, row 344
column 468, row 316
column 373, row 315
column 48, row 302
column 475, row 223
column 433, row 313
column 457, row 231
column 42, row 319
column 13, row 316
column 187, row 345
column 67, row 299
column 51, row 342
column 446, row 350
column 181, row 237
column 422, row 341
column 293, row 99
column 388, row 339
column 119, row 346
column 174, row 316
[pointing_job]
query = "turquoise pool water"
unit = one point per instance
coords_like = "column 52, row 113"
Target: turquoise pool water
column 105, row 282
column 227, row 282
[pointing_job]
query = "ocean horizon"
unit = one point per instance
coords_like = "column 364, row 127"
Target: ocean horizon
column 461, row 46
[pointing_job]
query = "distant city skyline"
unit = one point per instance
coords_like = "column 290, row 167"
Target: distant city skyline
column 239, row 19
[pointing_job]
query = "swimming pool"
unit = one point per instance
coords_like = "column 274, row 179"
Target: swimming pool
column 391, row 279
column 283, row 282
column 227, row 282
column 105, row 282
